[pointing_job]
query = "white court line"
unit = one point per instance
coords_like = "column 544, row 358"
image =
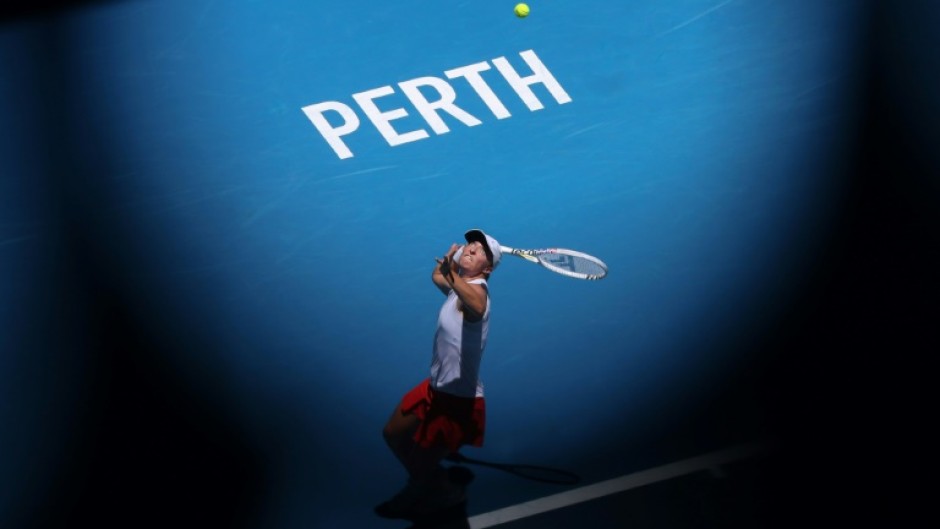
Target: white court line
column 613, row 486
column 696, row 17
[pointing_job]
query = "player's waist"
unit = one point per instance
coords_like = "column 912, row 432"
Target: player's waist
column 450, row 393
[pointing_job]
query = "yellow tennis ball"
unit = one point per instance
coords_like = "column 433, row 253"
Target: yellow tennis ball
column 522, row 10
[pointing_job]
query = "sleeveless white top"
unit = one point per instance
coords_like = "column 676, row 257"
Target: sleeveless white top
column 458, row 349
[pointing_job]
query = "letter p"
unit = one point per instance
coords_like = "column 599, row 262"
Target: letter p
column 330, row 133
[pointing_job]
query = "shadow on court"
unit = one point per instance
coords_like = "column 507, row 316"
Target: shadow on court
column 728, row 496
column 456, row 516
column 453, row 518
column 531, row 472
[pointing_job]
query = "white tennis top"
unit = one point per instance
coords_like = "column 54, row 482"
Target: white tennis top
column 458, row 349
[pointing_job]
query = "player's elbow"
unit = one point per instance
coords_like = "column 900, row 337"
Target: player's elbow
column 476, row 309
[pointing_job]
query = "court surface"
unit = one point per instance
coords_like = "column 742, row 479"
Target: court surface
column 221, row 243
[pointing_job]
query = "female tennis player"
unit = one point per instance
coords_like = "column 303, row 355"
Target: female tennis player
column 446, row 410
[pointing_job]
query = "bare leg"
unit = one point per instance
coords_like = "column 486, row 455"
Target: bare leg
column 422, row 464
column 428, row 479
column 399, row 432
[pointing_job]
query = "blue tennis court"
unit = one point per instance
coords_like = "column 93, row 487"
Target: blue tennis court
column 247, row 197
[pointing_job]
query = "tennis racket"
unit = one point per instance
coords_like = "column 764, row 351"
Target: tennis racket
column 561, row 261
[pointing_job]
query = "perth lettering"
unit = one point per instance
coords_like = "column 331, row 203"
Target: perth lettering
column 345, row 120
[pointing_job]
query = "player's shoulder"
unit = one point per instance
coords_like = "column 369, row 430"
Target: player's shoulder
column 480, row 282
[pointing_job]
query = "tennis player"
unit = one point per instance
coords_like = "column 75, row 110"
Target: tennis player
column 446, row 410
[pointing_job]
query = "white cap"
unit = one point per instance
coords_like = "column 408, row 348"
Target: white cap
column 490, row 245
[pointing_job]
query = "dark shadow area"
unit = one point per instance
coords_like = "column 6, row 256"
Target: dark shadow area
column 453, row 518
column 846, row 389
column 21, row 10
column 456, row 517
column 149, row 450
column 725, row 497
column 146, row 444
column 531, row 472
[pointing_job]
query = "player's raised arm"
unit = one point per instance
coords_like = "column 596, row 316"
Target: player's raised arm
column 472, row 298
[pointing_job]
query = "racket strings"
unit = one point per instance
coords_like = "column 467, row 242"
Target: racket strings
column 574, row 263
column 587, row 266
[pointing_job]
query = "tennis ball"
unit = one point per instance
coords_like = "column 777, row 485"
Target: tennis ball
column 522, row 10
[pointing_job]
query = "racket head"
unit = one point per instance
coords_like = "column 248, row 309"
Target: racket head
column 570, row 263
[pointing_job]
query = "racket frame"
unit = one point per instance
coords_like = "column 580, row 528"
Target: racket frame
column 534, row 256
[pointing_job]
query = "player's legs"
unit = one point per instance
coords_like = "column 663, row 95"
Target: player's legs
column 399, row 434
column 428, row 487
column 422, row 464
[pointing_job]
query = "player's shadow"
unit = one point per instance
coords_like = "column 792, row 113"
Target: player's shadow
column 538, row 473
column 456, row 516
column 453, row 518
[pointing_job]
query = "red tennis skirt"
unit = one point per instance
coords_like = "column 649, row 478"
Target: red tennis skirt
column 446, row 420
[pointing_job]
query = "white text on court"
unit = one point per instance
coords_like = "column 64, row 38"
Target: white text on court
column 429, row 110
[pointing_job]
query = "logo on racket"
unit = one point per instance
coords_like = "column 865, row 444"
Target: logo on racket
column 562, row 261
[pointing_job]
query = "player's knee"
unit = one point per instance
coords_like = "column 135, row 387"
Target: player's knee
column 389, row 434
